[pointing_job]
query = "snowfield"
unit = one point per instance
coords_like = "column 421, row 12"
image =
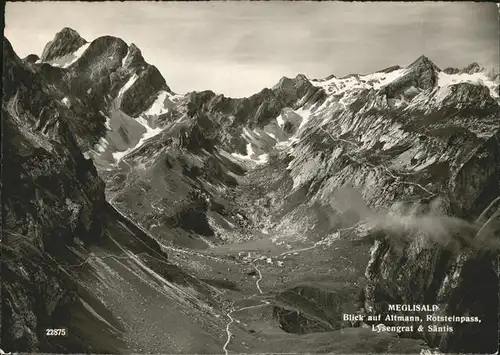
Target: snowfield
column 477, row 79
column 335, row 86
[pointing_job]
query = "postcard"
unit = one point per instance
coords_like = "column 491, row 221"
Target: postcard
column 229, row 177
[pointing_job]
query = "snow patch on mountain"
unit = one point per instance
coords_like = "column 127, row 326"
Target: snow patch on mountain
column 158, row 106
column 280, row 120
column 150, row 133
column 127, row 86
column 379, row 80
column 69, row 59
column 283, row 145
column 479, row 78
column 426, row 163
column 126, row 57
column 101, row 145
column 271, row 135
column 66, row 102
column 305, row 114
column 336, row 86
column 108, row 121
column 251, row 156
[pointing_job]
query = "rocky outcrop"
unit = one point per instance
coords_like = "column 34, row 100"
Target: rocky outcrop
column 472, row 68
column 31, row 58
column 108, row 85
column 451, row 70
column 65, row 42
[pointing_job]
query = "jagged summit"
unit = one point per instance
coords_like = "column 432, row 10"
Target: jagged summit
column 421, row 74
column 472, row 68
column 68, row 31
column 285, row 82
column 65, row 42
column 105, row 68
column 423, row 62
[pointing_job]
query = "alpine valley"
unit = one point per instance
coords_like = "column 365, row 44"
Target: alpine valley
column 145, row 221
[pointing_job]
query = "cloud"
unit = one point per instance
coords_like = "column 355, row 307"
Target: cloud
column 405, row 220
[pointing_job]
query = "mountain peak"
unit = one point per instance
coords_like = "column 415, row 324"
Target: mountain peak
column 286, row 82
column 421, row 74
column 423, row 62
column 472, row 68
column 65, row 42
column 68, row 32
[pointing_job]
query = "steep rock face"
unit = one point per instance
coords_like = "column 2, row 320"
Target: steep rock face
column 143, row 93
column 421, row 74
column 69, row 259
column 65, row 42
column 134, row 58
column 51, row 195
column 477, row 181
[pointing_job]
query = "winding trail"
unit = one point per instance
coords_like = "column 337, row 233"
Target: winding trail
column 229, row 314
column 228, row 332
column 260, row 278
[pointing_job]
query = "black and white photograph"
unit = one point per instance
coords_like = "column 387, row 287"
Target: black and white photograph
column 250, row 177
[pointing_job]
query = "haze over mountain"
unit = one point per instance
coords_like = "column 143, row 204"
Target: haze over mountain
column 237, row 48
column 255, row 223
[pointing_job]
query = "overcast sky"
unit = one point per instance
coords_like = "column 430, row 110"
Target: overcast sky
column 238, row 48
